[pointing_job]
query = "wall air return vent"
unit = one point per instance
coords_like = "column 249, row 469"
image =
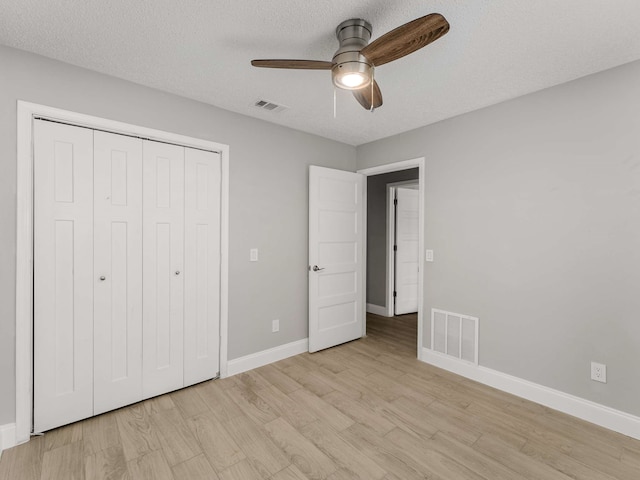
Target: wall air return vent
column 454, row 335
column 269, row 106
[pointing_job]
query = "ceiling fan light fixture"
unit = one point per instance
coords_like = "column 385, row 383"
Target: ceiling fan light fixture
column 352, row 75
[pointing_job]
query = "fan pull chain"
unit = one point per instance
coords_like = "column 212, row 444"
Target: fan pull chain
column 373, row 73
column 334, row 102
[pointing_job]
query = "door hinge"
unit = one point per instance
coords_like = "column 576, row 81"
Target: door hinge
column 395, row 248
column 395, row 201
column 394, row 294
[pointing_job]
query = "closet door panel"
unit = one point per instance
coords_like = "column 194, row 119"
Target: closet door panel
column 163, row 262
column 202, row 265
column 63, row 274
column 118, row 267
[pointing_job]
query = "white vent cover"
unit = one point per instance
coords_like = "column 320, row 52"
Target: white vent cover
column 455, row 335
column 269, row 106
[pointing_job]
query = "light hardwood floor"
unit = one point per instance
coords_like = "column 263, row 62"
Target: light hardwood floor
column 364, row 410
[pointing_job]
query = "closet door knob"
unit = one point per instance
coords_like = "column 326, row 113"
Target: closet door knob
column 177, row 272
column 103, row 278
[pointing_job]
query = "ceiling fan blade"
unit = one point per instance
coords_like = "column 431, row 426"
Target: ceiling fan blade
column 296, row 64
column 363, row 95
column 406, row 39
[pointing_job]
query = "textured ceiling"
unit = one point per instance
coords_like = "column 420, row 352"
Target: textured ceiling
column 201, row 49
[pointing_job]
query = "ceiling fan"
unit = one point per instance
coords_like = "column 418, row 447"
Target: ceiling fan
column 353, row 64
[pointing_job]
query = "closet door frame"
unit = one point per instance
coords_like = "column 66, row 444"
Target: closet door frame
column 27, row 111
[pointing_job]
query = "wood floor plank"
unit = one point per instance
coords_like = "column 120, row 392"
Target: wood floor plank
column 251, row 380
column 106, row 464
column 452, row 426
column 196, row 468
column 136, row 432
column 261, row 452
column 478, row 423
column 343, row 454
column 362, row 411
column 417, row 453
column 373, row 365
column 152, row 466
column 251, row 404
column 64, row 462
column 100, row 433
column 290, row 473
column 59, row 437
column 310, row 381
column 515, row 460
column 603, row 462
column 158, row 404
column 278, row 379
column 190, row 405
column 472, row 459
column 176, row 439
column 218, row 446
column 432, row 386
column 321, row 409
column 23, row 462
column 344, row 474
column 562, row 462
column 380, row 451
column 285, row 407
column 301, row 452
column 242, row 470
column 325, row 361
column 219, row 403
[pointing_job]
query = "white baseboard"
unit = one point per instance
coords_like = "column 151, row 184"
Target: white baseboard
column 377, row 310
column 602, row 415
column 259, row 359
column 7, row 436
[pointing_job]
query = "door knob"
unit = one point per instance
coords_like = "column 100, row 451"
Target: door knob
column 316, row 268
column 103, row 278
column 177, row 272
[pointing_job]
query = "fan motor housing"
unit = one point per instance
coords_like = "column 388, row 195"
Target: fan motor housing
column 353, row 35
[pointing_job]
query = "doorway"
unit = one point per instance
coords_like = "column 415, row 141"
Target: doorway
column 402, row 171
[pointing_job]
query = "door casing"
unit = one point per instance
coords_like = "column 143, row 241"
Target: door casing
column 395, row 167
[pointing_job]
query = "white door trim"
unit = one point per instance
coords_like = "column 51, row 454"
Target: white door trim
column 395, row 167
column 24, row 237
column 391, row 231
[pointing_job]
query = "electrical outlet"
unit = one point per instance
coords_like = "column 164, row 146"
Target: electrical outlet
column 253, row 255
column 275, row 326
column 599, row 372
column 428, row 256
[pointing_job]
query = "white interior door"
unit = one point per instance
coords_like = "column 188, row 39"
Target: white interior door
column 336, row 238
column 163, row 265
column 118, row 268
column 406, row 261
column 63, row 274
column 202, row 266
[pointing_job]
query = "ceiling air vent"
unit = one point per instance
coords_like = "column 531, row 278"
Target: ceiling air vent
column 269, row 106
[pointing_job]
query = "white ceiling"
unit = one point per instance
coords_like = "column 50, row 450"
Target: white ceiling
column 201, row 49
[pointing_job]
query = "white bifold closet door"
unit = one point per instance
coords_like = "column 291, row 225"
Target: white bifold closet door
column 163, row 308
column 117, row 307
column 181, row 266
column 126, row 270
column 63, row 275
column 202, row 265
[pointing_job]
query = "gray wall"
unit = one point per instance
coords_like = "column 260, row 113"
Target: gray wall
column 533, row 213
column 377, row 232
column 268, row 195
